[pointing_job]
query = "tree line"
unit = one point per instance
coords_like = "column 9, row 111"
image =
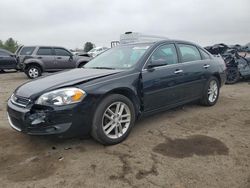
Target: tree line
column 11, row 45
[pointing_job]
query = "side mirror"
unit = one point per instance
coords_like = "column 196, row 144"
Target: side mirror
column 156, row 63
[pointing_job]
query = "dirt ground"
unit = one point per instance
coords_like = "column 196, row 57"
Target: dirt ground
column 191, row 146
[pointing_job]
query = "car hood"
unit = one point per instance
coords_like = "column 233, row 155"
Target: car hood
column 63, row 79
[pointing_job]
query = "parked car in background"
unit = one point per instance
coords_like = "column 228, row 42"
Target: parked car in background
column 35, row 60
column 126, row 82
column 96, row 51
column 7, row 60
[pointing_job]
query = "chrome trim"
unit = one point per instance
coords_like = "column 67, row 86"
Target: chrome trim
column 12, row 125
column 206, row 66
column 178, row 71
column 143, row 70
column 18, row 104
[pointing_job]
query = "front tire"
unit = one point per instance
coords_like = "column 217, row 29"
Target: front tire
column 33, row 71
column 211, row 92
column 113, row 119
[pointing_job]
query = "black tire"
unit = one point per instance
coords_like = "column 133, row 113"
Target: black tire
column 34, row 68
column 97, row 124
column 233, row 75
column 205, row 96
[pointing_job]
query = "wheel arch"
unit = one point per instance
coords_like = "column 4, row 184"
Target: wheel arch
column 35, row 63
column 217, row 75
column 130, row 94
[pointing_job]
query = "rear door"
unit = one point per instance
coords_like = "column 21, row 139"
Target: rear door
column 46, row 55
column 7, row 60
column 24, row 53
column 162, row 86
column 64, row 59
column 194, row 68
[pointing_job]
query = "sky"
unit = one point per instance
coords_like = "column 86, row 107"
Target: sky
column 71, row 23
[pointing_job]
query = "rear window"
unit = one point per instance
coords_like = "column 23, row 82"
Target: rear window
column 204, row 54
column 27, row 50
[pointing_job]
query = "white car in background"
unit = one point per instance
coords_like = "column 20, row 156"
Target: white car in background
column 96, row 51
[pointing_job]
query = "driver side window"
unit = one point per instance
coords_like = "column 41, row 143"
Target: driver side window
column 165, row 54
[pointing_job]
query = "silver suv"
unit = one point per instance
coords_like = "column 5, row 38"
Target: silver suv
column 34, row 60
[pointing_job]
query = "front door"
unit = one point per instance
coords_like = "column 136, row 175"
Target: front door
column 64, row 59
column 162, row 84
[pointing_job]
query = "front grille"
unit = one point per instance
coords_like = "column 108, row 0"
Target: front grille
column 20, row 101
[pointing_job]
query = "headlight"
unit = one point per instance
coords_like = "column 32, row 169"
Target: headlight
column 62, row 97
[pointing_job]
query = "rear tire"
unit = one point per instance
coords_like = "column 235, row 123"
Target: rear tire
column 33, row 71
column 233, row 75
column 211, row 92
column 113, row 119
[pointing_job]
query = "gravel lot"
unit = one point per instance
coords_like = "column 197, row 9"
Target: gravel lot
column 191, row 146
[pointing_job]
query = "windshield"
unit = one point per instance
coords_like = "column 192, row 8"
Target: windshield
column 122, row 57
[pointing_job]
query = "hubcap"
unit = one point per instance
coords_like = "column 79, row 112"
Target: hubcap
column 212, row 91
column 116, row 120
column 33, row 73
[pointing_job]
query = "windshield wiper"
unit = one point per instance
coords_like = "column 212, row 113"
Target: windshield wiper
column 110, row 68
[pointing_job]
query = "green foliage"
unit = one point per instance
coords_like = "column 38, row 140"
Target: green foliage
column 88, row 46
column 10, row 44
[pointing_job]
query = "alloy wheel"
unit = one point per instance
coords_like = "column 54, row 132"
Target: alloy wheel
column 212, row 91
column 116, row 120
column 33, row 73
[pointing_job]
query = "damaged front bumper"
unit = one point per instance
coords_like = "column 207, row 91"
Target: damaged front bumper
column 43, row 120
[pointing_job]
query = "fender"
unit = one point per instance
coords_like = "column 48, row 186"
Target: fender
column 129, row 87
column 33, row 61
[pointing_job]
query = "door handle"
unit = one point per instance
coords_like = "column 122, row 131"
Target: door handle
column 39, row 57
column 178, row 71
column 59, row 58
column 206, row 66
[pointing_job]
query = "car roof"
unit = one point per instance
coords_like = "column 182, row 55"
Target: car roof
column 43, row 46
column 160, row 42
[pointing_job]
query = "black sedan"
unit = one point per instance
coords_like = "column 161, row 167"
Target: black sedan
column 106, row 97
column 7, row 60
